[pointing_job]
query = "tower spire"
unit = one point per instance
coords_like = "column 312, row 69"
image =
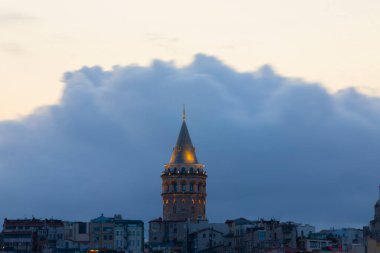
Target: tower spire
column 183, row 113
column 184, row 151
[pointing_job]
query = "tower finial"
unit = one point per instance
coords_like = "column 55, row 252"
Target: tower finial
column 183, row 113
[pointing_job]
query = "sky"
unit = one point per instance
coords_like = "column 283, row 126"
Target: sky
column 282, row 104
column 335, row 43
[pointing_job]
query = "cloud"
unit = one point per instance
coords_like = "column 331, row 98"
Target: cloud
column 157, row 37
column 16, row 18
column 13, row 48
column 273, row 146
column 167, row 42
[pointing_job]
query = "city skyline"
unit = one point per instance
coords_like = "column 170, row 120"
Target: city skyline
column 282, row 99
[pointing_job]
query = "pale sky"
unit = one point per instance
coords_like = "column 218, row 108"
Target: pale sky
column 336, row 43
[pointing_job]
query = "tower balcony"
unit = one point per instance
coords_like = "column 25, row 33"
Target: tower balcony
column 181, row 193
column 184, row 173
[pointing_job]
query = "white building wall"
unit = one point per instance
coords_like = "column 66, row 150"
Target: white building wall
column 304, row 230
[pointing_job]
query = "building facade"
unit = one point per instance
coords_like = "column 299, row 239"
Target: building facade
column 372, row 232
column 116, row 233
column 32, row 235
column 260, row 236
column 76, row 236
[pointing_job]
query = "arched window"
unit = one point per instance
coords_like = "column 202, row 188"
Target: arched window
column 166, row 187
column 191, row 187
column 175, row 189
column 183, row 187
column 191, row 170
column 183, row 170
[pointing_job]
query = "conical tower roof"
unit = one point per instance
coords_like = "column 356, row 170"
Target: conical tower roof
column 378, row 201
column 184, row 151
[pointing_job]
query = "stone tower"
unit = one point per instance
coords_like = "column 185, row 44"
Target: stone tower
column 184, row 182
column 373, row 231
column 377, row 208
column 375, row 223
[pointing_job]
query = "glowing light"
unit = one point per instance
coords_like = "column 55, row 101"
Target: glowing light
column 189, row 156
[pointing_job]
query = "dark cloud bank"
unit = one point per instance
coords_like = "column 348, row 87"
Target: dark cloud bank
column 274, row 147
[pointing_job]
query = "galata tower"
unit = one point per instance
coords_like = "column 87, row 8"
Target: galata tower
column 184, row 182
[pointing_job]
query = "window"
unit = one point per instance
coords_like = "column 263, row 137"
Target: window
column 191, row 187
column 261, row 235
column 314, row 244
column 175, row 187
column 191, row 170
column 82, row 228
column 183, row 171
column 183, row 186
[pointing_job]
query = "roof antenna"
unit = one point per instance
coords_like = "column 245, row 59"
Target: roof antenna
column 183, row 113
